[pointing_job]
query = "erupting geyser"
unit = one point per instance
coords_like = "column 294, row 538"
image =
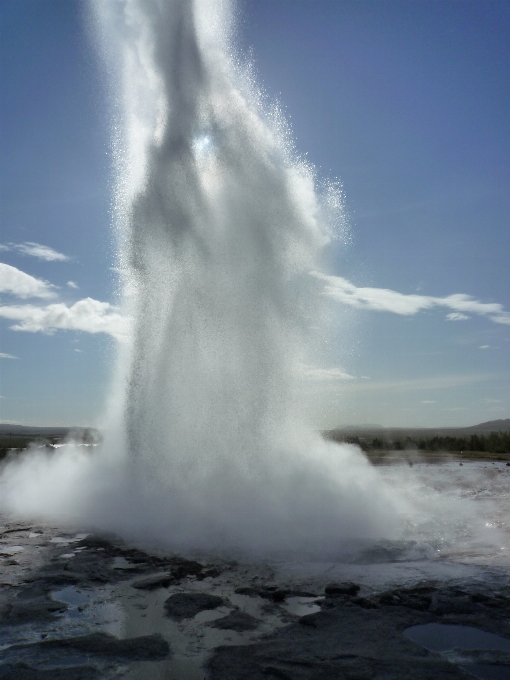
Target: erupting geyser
column 218, row 225
column 219, row 228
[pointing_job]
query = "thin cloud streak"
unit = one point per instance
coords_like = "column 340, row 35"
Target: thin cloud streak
column 87, row 315
column 324, row 374
column 385, row 300
column 37, row 250
column 439, row 382
column 16, row 282
column 3, row 355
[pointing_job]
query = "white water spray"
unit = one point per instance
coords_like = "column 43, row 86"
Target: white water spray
column 218, row 227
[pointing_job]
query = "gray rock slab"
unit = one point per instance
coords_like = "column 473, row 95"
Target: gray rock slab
column 99, row 645
column 22, row 671
column 344, row 643
column 35, row 610
column 154, row 582
column 187, row 605
column 344, row 588
column 239, row 621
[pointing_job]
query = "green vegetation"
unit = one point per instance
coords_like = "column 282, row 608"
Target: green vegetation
column 16, row 438
column 493, row 445
column 18, row 443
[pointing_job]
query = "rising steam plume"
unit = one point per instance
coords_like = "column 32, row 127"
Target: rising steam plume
column 218, row 225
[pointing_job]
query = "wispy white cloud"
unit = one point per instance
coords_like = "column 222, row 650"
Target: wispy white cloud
column 72, row 284
column 37, row 250
column 484, row 347
column 385, row 300
column 16, row 282
column 324, row 374
column 457, row 316
column 428, row 401
column 3, row 355
column 436, row 382
column 87, row 315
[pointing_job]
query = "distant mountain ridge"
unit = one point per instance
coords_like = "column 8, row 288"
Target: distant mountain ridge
column 7, row 428
column 10, row 430
column 365, row 426
column 501, row 425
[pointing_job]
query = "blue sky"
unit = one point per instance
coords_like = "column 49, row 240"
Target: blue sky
column 405, row 102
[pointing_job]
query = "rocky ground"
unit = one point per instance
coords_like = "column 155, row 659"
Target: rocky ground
column 82, row 606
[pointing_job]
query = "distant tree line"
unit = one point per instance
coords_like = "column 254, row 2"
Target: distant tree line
column 493, row 442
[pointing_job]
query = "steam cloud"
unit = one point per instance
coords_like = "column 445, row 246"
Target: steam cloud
column 218, row 225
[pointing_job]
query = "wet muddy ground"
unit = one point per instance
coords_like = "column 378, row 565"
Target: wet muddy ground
column 78, row 606
column 88, row 606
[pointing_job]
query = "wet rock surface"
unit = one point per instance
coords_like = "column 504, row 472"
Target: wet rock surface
column 186, row 605
column 66, row 654
column 361, row 638
column 145, row 648
column 79, row 606
column 22, row 671
column 236, row 621
column 346, row 588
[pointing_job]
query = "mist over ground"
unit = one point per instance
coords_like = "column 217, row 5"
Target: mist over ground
column 220, row 228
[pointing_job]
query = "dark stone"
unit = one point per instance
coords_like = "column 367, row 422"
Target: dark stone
column 365, row 603
column 181, row 568
column 346, row 588
column 301, row 593
column 212, row 572
column 50, row 579
column 39, row 609
column 187, row 605
column 247, row 590
column 103, row 645
column 279, row 595
column 239, row 621
column 22, row 671
column 347, row 643
column 270, row 593
column 154, row 582
column 143, row 648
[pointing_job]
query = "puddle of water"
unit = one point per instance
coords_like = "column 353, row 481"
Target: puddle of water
column 34, row 534
column 301, row 606
column 11, row 550
column 71, row 596
column 440, row 637
column 485, row 671
column 122, row 563
column 65, row 540
column 211, row 614
column 89, row 608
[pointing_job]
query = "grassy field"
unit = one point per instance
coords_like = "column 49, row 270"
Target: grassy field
column 14, row 439
column 385, row 457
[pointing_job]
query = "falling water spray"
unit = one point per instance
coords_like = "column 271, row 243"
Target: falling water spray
column 218, row 225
